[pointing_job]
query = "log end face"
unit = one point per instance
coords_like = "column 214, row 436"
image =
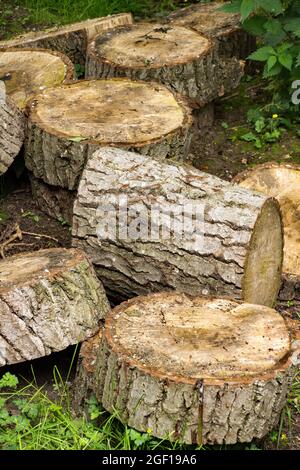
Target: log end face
column 263, row 265
column 47, row 68
column 148, row 45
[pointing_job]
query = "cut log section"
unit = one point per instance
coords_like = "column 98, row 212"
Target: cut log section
column 199, row 370
column 71, row 39
column 178, row 57
column 150, row 225
column 68, row 123
column 28, row 71
column 54, row 201
column 12, row 130
column 282, row 181
column 49, row 300
column 223, row 28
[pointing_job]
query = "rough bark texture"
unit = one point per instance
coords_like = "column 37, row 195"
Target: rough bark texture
column 29, row 71
column 225, row 248
column 177, row 57
column 68, row 123
column 204, row 371
column 70, row 40
column 54, row 201
column 282, row 181
column 12, row 130
column 223, row 28
column 49, row 300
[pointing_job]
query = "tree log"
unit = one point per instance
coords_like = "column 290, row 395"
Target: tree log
column 223, row 28
column 68, row 123
column 177, row 57
column 54, row 201
column 49, row 300
column 29, row 71
column 71, row 39
column 150, row 225
column 282, row 181
column 12, row 130
column 199, row 370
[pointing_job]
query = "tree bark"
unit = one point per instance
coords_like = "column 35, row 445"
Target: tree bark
column 68, row 123
column 29, row 71
column 177, row 57
column 54, row 201
column 49, row 300
column 12, row 130
column 71, row 39
column 224, row 29
column 150, row 226
column 198, row 370
column 282, row 181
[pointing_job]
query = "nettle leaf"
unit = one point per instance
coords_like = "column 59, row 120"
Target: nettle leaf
column 255, row 25
column 284, row 47
column 271, row 6
column 254, row 114
column 247, row 7
column 292, row 25
column 262, row 54
column 274, row 32
column 232, row 7
column 275, row 70
column 271, row 62
column 286, row 60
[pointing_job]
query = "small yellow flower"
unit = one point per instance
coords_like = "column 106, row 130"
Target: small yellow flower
column 275, row 116
column 149, row 431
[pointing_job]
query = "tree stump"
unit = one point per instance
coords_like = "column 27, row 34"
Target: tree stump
column 71, row 39
column 54, row 201
column 282, row 181
column 150, row 226
column 12, row 130
column 223, row 28
column 178, row 57
column 68, row 123
column 200, row 370
column 29, row 71
column 49, row 300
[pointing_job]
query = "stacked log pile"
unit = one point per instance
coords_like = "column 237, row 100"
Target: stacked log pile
column 106, row 155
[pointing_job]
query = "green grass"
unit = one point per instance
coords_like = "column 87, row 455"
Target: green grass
column 30, row 419
column 67, row 11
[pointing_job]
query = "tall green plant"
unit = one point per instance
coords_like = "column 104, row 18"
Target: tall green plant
column 276, row 24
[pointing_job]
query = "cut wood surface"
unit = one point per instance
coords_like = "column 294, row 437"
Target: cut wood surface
column 12, row 130
column 224, row 28
column 201, row 370
column 68, row 123
column 149, row 225
column 178, row 57
column 71, row 39
column 29, row 71
column 55, row 201
column 49, row 300
column 282, row 181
